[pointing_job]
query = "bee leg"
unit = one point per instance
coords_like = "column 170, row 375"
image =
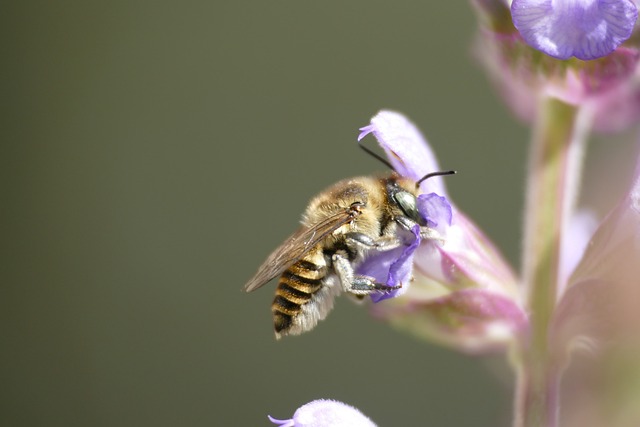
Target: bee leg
column 425, row 232
column 364, row 285
column 362, row 241
column 353, row 283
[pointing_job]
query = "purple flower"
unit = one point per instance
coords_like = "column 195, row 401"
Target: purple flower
column 528, row 61
column 602, row 294
column 461, row 285
column 392, row 267
column 586, row 29
column 607, row 86
column 325, row 413
column 396, row 134
column 395, row 267
column 596, row 318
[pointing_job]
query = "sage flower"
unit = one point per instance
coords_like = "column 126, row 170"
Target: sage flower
column 325, row 413
column 463, row 293
column 586, row 29
column 524, row 54
column 594, row 337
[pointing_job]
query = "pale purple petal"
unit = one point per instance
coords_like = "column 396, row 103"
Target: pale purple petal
column 615, row 248
column 472, row 320
column 435, row 210
column 325, row 413
column 619, row 108
column 606, row 86
column 597, row 322
column 377, row 264
column 586, row 29
column 281, row 423
column 393, row 268
column 574, row 242
column 466, row 259
column 406, row 149
column 603, row 295
column 400, row 270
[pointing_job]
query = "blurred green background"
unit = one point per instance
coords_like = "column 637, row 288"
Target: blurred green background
column 155, row 152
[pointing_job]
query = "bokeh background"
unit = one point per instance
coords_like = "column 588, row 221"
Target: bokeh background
column 153, row 154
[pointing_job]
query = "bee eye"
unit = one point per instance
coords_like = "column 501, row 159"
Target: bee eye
column 408, row 204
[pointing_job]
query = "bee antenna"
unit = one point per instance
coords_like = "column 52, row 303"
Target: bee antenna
column 432, row 174
column 376, row 156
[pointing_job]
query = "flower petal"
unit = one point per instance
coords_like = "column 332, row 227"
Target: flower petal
column 599, row 313
column 324, row 413
column 574, row 242
column 435, row 210
column 281, row 423
column 406, row 149
column 394, row 268
column 401, row 269
column 601, row 300
column 522, row 75
column 467, row 258
column 473, row 320
column 619, row 108
column 586, row 29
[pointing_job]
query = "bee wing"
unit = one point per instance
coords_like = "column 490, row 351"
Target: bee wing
column 293, row 248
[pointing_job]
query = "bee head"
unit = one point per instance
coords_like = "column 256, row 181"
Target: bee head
column 408, row 203
column 403, row 193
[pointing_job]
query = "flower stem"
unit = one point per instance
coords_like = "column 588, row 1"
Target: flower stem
column 552, row 186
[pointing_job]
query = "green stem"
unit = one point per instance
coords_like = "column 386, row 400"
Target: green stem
column 552, row 186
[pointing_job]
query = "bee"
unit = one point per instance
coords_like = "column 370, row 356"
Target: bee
column 340, row 227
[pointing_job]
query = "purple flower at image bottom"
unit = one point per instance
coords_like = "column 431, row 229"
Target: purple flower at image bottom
column 325, row 413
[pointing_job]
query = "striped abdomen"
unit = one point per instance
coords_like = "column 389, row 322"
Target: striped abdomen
column 297, row 286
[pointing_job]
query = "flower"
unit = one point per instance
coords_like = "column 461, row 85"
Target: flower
column 586, row 29
column 462, row 285
column 392, row 267
column 325, row 413
column 608, row 86
column 395, row 267
column 527, row 54
column 595, row 325
column 601, row 295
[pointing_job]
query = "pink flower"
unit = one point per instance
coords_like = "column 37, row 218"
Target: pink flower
column 325, row 413
column 463, row 293
column 595, row 325
column 528, row 49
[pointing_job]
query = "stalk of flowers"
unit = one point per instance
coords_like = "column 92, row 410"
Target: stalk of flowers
column 569, row 67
